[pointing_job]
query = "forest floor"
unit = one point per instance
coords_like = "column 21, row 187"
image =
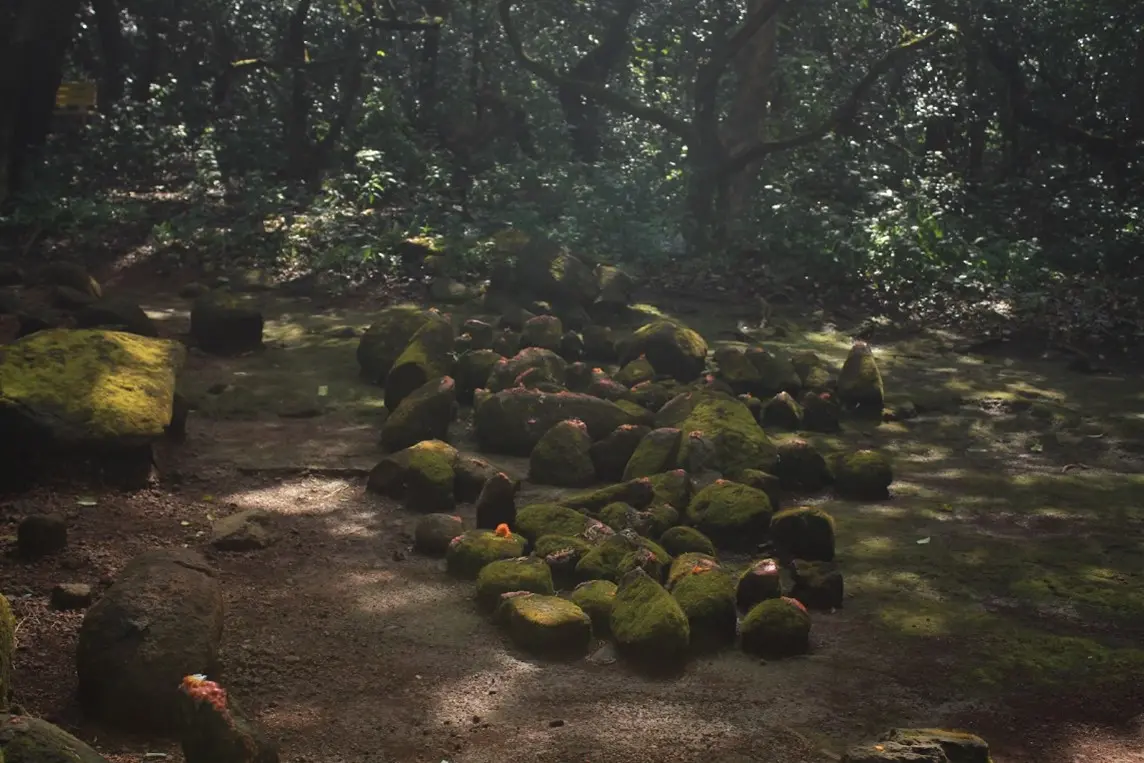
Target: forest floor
column 1000, row 589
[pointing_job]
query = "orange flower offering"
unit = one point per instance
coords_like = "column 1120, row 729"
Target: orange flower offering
column 503, row 531
column 198, row 688
column 795, row 602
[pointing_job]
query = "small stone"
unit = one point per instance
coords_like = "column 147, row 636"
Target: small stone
column 555, row 724
column 41, row 535
column 66, row 596
column 245, row 531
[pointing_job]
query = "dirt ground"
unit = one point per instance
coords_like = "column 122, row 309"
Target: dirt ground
column 999, row 590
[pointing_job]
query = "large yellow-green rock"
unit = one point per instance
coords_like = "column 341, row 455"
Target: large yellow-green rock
column 422, row 475
column 424, row 414
column 864, row 475
column 545, row 625
column 596, row 598
column 733, row 516
column 620, row 553
column 428, row 355
column 776, row 628
column 526, row 573
column 88, row 387
column 670, row 347
column 681, row 540
column 656, row 453
column 648, row 624
column 540, row 519
column 707, row 598
column 386, row 338
column 471, row 551
column 720, row 434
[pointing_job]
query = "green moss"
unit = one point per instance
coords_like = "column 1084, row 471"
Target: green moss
column 649, row 556
column 635, row 372
column 670, row 347
column 736, row 439
column 427, row 356
column 777, row 374
column 812, row 371
column 656, row 453
column 471, row 551
column 563, row 457
column 782, row 412
column 551, row 544
column 636, row 493
column 776, row 628
column 804, row 532
column 647, row 622
column 603, row 561
column 733, row 516
column 860, row 381
column 737, row 371
column 681, row 540
column 541, row 519
column 652, row 521
column 472, row 371
column 91, row 385
column 424, row 414
column 863, row 475
column 596, row 598
column 507, row 575
column 689, row 563
column 386, row 338
column 672, row 488
column 7, row 651
column 707, row 598
column 561, row 553
column 768, row 483
column 546, row 625
column 802, row 467
column 429, row 479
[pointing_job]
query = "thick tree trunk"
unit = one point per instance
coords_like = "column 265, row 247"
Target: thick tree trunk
column 111, row 52
column 31, row 66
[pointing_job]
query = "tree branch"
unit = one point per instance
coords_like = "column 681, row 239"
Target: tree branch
column 599, row 93
column 842, row 113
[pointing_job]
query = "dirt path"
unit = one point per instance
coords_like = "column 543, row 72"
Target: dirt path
column 351, row 649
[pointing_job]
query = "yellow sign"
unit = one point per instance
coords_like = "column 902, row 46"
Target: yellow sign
column 76, row 97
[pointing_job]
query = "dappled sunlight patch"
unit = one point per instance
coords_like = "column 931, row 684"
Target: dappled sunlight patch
column 872, row 546
column 457, row 701
column 310, row 496
column 925, row 621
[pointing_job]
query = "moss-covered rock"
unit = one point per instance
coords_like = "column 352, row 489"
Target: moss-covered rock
column 546, row 625
column 804, row 532
column 648, row 624
column 635, row 372
column 765, row 481
column 656, row 453
column 596, row 598
column 812, row 371
column 670, row 347
column 513, row 421
column 561, row 553
column 562, row 457
column 707, row 598
column 542, row 519
column 781, row 412
column 428, row 355
column 636, row 493
column 578, row 377
column 104, row 389
column 732, row 515
column 422, row 475
column 802, row 467
column 543, row 331
column 860, row 382
column 224, row 324
column 821, row 413
column 69, row 274
column 738, row 371
column 434, row 533
column 7, row 651
column 653, row 395
column 754, row 405
column 607, row 388
column 602, row 562
column 506, row 575
column 652, row 521
column 611, row 455
column 649, row 557
column 777, row 372
column 424, row 414
column 728, row 438
column 496, row 504
column 818, row 585
column 616, row 286
column 24, row 739
column 924, row 745
column 672, row 488
column 470, row 551
column 471, row 372
column 762, row 580
column 116, row 314
column 776, row 628
column 471, row 475
column 682, row 540
column 599, row 343
column 689, row 563
column 864, row 475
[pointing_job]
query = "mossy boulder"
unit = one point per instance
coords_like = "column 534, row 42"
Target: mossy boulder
column 760, row 581
column 386, row 338
column 7, row 651
column 472, row 474
column 616, row 286
column 24, row 739
column 681, row 540
column 69, row 274
column 578, row 377
column 545, row 625
column 421, row 475
column 428, row 355
column 503, row 576
column 738, row 371
column 732, row 515
column 821, row 413
column 540, row 519
column 424, row 414
column 818, row 585
column 496, row 503
column 672, row 348
column 636, row 493
column 471, row 372
column 776, row 628
column 727, row 438
column 673, row 488
column 224, row 324
column 922, row 745
column 434, row 533
column 611, row 455
column 707, row 598
column 652, row 521
column 599, row 343
column 781, row 412
column 470, row 551
column 619, row 553
column 653, row 395
column 116, row 314
column 801, row 467
column 860, row 382
column 864, row 475
column 648, row 624
column 561, row 553
column 562, row 457
column 543, row 331
column 596, row 598
column 513, row 421
column 777, row 373
column 804, row 532
column 656, row 453
column 607, row 388
column 648, row 556
column 765, row 481
column 812, row 370
column 635, row 372
column 689, row 563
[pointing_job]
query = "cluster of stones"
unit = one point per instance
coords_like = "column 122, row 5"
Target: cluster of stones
column 690, row 548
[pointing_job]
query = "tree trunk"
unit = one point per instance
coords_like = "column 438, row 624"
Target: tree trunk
column 31, row 67
column 975, row 155
column 296, row 122
column 111, row 52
